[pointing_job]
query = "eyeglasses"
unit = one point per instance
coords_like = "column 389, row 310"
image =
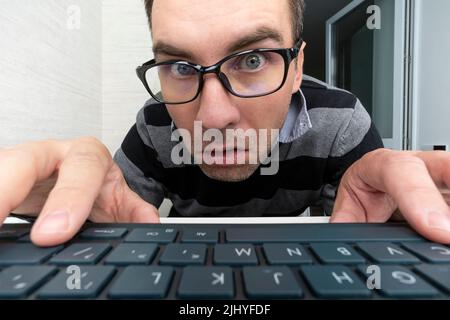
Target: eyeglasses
column 247, row 74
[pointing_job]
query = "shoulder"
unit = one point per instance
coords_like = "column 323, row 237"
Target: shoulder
column 154, row 114
column 319, row 94
column 154, row 125
column 339, row 120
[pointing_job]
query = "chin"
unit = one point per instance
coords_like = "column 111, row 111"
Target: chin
column 229, row 173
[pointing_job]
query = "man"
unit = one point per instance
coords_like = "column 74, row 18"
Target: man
column 324, row 133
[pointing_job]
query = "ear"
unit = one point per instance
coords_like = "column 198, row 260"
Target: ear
column 299, row 69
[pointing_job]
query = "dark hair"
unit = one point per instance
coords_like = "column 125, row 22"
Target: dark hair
column 297, row 8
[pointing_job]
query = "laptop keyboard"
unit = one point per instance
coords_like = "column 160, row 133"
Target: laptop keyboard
column 307, row 261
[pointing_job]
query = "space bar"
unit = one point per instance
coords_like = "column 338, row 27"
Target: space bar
column 322, row 233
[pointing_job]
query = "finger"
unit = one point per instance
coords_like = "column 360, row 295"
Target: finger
column 438, row 166
column 69, row 204
column 415, row 189
column 21, row 167
column 132, row 209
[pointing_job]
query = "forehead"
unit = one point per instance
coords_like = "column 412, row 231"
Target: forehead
column 196, row 22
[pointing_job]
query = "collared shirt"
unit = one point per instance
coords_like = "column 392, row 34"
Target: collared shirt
column 325, row 131
column 297, row 121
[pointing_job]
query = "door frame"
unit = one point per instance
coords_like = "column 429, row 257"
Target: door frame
column 400, row 64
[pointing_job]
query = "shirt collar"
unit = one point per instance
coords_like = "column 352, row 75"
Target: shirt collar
column 297, row 121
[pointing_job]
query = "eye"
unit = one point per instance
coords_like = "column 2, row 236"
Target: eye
column 182, row 70
column 252, row 62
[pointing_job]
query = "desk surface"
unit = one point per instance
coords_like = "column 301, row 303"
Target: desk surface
column 285, row 220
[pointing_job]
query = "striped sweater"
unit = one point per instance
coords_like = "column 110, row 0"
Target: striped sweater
column 325, row 132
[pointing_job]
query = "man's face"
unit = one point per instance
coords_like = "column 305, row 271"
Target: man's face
column 203, row 32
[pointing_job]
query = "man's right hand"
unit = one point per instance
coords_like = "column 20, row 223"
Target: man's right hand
column 67, row 182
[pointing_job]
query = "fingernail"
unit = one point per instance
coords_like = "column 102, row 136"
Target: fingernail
column 438, row 220
column 57, row 222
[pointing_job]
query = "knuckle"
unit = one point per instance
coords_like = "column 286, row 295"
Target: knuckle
column 86, row 157
column 379, row 153
column 89, row 140
column 398, row 160
column 90, row 150
column 115, row 174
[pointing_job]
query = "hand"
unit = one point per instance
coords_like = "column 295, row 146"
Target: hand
column 68, row 182
column 415, row 183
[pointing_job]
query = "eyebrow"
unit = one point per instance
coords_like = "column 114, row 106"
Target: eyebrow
column 264, row 33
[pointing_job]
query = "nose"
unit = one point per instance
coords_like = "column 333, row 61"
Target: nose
column 216, row 108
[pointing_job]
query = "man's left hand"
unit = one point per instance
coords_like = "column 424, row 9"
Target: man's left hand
column 391, row 185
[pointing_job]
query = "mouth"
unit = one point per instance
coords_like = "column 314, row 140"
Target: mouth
column 229, row 157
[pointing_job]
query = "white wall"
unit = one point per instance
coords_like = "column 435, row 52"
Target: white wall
column 432, row 74
column 126, row 44
column 50, row 76
column 61, row 83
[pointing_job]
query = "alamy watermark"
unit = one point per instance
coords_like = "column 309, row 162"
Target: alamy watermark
column 73, row 281
column 73, row 17
column 374, row 279
column 374, row 21
column 232, row 147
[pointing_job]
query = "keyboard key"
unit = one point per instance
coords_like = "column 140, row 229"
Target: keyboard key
column 103, row 233
column 271, row 283
column 142, row 282
column 434, row 253
column 24, row 253
column 26, row 238
column 12, row 234
column 334, row 282
column 158, row 235
column 387, row 253
column 399, row 282
column 200, row 236
column 92, row 279
column 315, row 233
column 286, row 254
column 183, row 254
column 337, row 253
column 19, row 282
column 81, row 253
column 438, row 274
column 229, row 254
column 206, row 283
column 132, row 253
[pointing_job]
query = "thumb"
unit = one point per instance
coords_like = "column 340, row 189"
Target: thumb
column 357, row 202
column 346, row 210
column 139, row 211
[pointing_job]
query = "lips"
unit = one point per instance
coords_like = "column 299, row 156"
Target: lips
column 225, row 151
column 228, row 157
